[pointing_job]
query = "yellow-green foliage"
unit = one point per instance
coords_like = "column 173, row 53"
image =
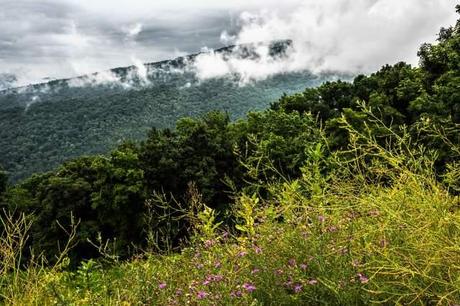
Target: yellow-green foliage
column 378, row 229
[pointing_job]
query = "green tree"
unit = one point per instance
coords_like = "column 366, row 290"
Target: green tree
column 3, row 180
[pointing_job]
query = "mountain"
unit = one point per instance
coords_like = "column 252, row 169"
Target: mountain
column 45, row 124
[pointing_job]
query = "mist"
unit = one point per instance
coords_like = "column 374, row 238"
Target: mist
column 356, row 36
column 50, row 39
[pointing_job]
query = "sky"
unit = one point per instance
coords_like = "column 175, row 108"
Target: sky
column 49, row 39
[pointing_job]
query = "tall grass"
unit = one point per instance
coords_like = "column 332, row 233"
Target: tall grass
column 378, row 227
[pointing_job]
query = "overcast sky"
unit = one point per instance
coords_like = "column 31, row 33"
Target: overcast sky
column 64, row 38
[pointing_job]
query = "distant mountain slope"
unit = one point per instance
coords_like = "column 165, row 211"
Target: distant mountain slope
column 43, row 125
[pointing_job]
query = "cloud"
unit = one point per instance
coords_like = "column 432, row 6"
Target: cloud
column 133, row 30
column 67, row 38
column 328, row 35
column 51, row 39
column 7, row 80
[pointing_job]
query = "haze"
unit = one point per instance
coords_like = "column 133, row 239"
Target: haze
column 48, row 39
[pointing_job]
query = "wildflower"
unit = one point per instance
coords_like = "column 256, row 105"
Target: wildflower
column 363, row 278
column 242, row 254
column 321, row 218
column 217, row 278
column 236, row 294
column 202, row 295
column 209, row 243
column 179, row 292
column 297, row 288
column 279, row 272
column 312, row 281
column 217, row 265
column 257, row 250
column 206, row 282
column 288, row 284
column 162, row 285
column 303, row 267
column 292, row 262
column 249, row 287
column 255, row 270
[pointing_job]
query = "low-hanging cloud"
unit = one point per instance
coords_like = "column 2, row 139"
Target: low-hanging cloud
column 49, row 39
column 353, row 36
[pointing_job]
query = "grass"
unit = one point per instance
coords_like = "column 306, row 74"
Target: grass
column 383, row 231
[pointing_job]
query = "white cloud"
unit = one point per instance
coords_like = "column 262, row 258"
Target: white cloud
column 65, row 38
column 133, row 30
column 346, row 36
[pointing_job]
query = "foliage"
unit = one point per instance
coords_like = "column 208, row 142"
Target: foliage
column 43, row 126
column 3, row 181
column 343, row 194
column 356, row 242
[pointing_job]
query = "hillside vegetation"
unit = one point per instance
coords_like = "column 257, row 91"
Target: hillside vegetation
column 344, row 194
column 43, row 125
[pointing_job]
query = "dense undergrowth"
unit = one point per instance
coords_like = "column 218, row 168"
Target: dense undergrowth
column 379, row 228
column 344, row 194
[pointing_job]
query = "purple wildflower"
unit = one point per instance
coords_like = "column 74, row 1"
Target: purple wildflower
column 202, row 295
column 257, row 249
column 206, row 282
column 208, row 243
column 249, row 287
column 242, row 254
column 303, row 267
column 292, row 262
column 217, row 277
column 255, row 270
column 297, row 288
column 312, row 281
column 217, row 265
column 179, row 292
column 321, row 218
column 236, row 294
column 288, row 284
column 363, row 278
column 162, row 285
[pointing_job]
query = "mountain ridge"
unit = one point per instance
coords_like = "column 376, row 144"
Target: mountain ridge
column 44, row 125
column 276, row 48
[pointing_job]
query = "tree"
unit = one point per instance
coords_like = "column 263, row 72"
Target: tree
column 3, row 180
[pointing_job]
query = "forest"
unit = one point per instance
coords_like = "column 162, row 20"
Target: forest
column 344, row 193
column 44, row 125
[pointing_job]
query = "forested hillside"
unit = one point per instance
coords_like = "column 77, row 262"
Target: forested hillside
column 345, row 193
column 44, row 125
